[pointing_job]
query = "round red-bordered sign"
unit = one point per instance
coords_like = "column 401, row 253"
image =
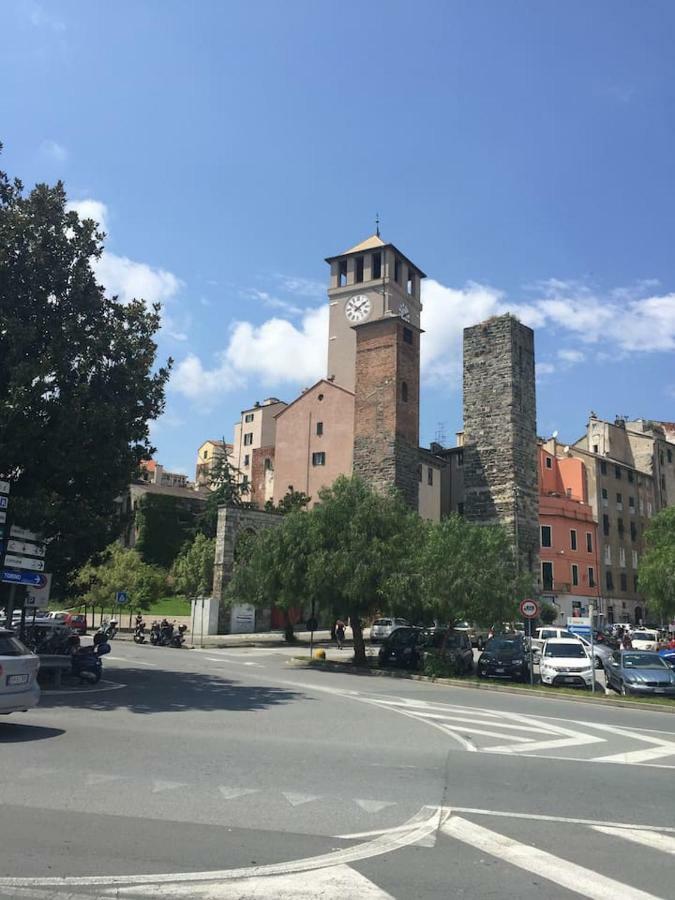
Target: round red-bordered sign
column 529, row 609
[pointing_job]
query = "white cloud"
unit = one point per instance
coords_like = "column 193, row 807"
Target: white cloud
column 542, row 369
column 40, row 18
column 204, row 386
column 302, row 287
column 567, row 355
column 53, row 150
column 273, row 302
column 277, row 351
column 90, row 209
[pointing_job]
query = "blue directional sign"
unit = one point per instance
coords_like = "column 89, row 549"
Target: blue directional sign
column 33, row 578
column 121, row 597
column 3, row 502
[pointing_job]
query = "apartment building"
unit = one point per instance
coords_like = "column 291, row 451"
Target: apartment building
column 208, row 455
column 256, row 430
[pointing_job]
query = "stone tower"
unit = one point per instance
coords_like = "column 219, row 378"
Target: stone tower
column 500, row 432
column 386, row 405
column 367, row 282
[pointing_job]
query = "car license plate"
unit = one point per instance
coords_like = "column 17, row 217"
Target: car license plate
column 568, row 678
column 17, row 679
column 500, row 670
column 659, row 690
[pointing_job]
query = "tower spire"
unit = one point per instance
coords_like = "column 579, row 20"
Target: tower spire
column 377, row 224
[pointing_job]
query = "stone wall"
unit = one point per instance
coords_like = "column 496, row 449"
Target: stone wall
column 262, row 478
column 500, row 432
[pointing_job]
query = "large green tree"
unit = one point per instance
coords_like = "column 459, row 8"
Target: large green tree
column 165, row 525
column 193, row 569
column 656, row 572
column 226, row 488
column 78, row 376
column 119, row 569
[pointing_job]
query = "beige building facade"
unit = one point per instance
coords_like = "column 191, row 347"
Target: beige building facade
column 256, row 429
column 208, row 455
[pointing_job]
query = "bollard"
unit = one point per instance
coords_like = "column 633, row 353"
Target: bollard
column 319, row 654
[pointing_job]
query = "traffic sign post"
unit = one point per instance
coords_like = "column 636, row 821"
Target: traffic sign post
column 121, row 598
column 529, row 610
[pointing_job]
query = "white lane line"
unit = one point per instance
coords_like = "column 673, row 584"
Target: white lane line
column 539, row 817
column 233, row 662
column 637, row 756
column 299, row 799
column 464, row 742
column 372, row 806
column 545, row 865
column 94, row 778
column 159, row 786
column 651, row 839
column 422, row 825
column 232, row 793
column 576, row 759
column 129, row 660
column 488, row 722
column 556, row 744
column 496, row 734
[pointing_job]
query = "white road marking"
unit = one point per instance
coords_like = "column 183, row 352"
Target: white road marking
column 299, row 799
column 159, row 786
column 373, row 805
column 538, row 817
column 545, row 865
column 132, row 660
column 94, row 778
column 637, row 756
column 423, row 824
column 231, row 793
column 106, row 686
column 651, row 839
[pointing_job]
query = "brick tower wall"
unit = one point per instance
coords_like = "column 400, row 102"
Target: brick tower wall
column 386, row 426
column 500, row 432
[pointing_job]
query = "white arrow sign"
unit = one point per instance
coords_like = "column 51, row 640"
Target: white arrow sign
column 23, row 534
column 26, row 549
column 23, row 562
column 4, row 487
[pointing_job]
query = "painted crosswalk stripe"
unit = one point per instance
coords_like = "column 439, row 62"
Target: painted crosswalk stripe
column 231, row 793
column 299, row 799
column 651, row 839
column 545, row 865
column 638, row 756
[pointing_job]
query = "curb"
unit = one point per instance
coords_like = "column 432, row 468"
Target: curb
column 350, row 669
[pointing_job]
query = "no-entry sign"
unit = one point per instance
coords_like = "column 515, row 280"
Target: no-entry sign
column 529, row 609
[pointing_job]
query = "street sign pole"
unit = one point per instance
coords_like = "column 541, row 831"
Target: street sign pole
column 529, row 610
column 591, row 613
column 529, row 621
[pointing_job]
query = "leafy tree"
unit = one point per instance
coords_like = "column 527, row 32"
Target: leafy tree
column 165, row 524
column 118, row 569
column 193, row 568
column 292, row 501
column 78, row 377
column 656, row 572
column 225, row 489
column 548, row 614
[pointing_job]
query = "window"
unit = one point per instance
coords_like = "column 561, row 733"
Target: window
column 248, row 417
column 605, row 524
column 376, row 265
column 342, row 273
column 649, row 509
column 319, row 459
column 573, row 539
column 609, row 581
column 589, row 542
column 430, row 475
column 319, row 428
column 623, row 581
column 397, row 269
column 358, row 269
column 608, row 555
column 642, row 506
column 631, row 505
column 460, row 509
column 205, row 454
column 635, row 559
column 575, row 574
column 244, row 484
column 547, row 576
column 549, row 462
column 619, row 501
column 663, row 482
column 633, row 532
column 545, row 535
column 661, row 460
column 619, row 525
column 248, row 439
column 407, row 336
column 247, row 459
column 670, row 455
column 605, row 500
column 410, row 284
column 622, row 557
column 635, row 583
column 460, row 458
column 268, row 463
column 629, row 475
column 404, row 391
column 591, row 576
column 320, row 398
column 617, row 472
column 603, row 467
column 595, row 448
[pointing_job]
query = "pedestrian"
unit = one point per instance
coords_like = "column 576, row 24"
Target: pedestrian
column 339, row 633
column 626, row 643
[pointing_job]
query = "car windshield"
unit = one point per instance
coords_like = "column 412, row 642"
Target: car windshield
column 11, row 646
column 380, row 622
column 570, row 651
column 644, row 636
column 643, row 661
column 500, row 643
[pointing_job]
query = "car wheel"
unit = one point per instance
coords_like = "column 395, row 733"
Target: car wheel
column 469, row 667
column 598, row 662
column 623, row 690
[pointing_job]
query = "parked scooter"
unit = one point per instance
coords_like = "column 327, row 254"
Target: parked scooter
column 178, row 636
column 108, row 629
column 86, row 663
column 139, row 630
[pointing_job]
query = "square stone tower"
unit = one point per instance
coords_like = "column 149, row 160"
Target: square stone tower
column 386, row 405
column 500, row 432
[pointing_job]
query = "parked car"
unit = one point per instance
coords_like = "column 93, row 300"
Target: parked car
column 19, row 690
column 645, row 640
column 477, row 634
column 505, row 656
column 382, row 628
column 453, row 646
column 547, row 633
column 77, row 622
column 565, row 661
column 640, row 672
column 59, row 615
column 601, row 651
column 404, row 647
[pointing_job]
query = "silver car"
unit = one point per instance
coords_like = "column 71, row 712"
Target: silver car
column 382, row 628
column 19, row 690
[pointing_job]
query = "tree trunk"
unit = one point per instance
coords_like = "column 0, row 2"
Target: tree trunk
column 359, row 646
column 289, row 632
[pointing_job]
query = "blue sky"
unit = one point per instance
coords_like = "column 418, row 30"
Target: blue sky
column 521, row 153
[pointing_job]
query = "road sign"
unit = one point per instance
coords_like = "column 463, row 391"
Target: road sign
column 4, row 487
column 38, row 595
column 24, row 562
column 23, row 578
column 23, row 534
column 25, row 549
column 3, row 517
column 580, row 625
column 530, row 609
column 121, row 597
column 3, row 502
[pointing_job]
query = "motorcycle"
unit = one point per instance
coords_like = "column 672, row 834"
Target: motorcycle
column 108, row 629
column 155, row 634
column 86, row 664
column 178, row 637
column 139, row 633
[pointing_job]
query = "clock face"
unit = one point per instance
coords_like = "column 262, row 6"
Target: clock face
column 357, row 309
column 404, row 312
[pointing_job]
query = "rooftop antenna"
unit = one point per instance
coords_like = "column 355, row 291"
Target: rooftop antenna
column 377, row 224
column 441, row 437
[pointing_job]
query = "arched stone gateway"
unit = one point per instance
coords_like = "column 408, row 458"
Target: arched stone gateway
column 233, row 521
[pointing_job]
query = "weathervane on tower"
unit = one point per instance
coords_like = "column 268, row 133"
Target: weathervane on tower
column 377, row 224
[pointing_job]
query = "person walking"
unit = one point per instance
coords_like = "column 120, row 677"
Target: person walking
column 339, row 633
column 626, row 643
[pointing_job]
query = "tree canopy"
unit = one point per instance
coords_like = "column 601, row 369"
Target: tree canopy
column 165, row 525
column 117, row 569
column 78, row 376
column 193, row 568
column 226, row 489
column 656, row 572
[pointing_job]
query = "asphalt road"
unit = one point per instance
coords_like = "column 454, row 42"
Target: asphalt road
column 228, row 774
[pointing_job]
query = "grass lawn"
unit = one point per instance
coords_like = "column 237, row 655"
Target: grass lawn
column 166, row 607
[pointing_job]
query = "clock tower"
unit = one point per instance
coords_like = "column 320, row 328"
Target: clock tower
column 371, row 281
